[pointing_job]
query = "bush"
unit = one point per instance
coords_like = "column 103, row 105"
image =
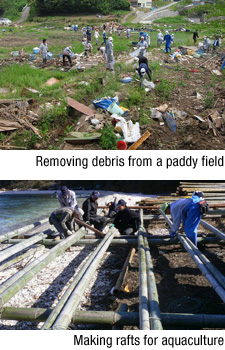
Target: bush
column 108, row 138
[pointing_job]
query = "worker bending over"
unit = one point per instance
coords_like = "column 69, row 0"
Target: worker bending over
column 126, row 220
column 63, row 220
column 143, row 67
column 188, row 211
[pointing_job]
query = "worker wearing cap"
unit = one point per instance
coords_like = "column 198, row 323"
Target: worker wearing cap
column 168, row 39
column 67, row 53
column 126, row 220
column 67, row 198
column 142, row 45
column 109, row 54
column 63, row 220
column 90, row 207
column 112, row 208
column 188, row 211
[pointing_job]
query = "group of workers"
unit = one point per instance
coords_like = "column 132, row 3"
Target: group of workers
column 125, row 220
column 186, row 210
column 107, row 47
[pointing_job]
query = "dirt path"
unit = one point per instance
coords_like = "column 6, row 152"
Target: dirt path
column 124, row 20
column 25, row 14
column 143, row 17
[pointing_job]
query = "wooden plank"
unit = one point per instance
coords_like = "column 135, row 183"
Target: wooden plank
column 139, row 142
column 80, row 107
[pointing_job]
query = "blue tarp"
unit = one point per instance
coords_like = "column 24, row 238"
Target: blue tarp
column 103, row 103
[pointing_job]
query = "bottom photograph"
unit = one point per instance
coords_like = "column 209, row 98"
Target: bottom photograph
column 112, row 255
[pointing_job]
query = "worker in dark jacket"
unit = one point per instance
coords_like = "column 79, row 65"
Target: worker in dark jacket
column 143, row 67
column 126, row 221
column 62, row 219
column 90, row 207
column 112, row 208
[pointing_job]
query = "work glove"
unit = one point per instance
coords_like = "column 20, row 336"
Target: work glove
column 69, row 233
column 112, row 226
column 172, row 234
column 88, row 222
column 140, row 227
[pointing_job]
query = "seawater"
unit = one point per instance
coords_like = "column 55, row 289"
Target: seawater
column 18, row 210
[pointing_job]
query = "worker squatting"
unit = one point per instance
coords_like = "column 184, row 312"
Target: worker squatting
column 131, row 340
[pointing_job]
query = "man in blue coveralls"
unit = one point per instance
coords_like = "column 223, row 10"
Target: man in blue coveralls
column 168, row 39
column 189, row 211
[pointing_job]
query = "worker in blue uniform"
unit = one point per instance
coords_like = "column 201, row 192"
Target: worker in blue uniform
column 188, row 211
column 168, row 39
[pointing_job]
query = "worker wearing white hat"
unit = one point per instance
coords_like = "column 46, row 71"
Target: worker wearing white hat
column 109, row 54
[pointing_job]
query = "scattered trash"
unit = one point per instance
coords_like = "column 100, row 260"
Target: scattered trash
column 162, row 108
column 80, row 107
column 15, row 53
column 82, row 137
column 49, row 56
column 199, row 96
column 193, row 70
column 199, row 118
column 126, row 80
column 104, row 102
column 27, row 91
column 4, row 91
column 140, row 141
column 155, row 114
column 170, row 121
column 83, row 83
column 131, row 132
column 121, row 145
column 216, row 72
column 36, row 50
column 51, row 82
column 147, row 84
column 115, row 109
column 197, row 55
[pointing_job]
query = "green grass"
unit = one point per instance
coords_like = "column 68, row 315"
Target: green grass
column 165, row 89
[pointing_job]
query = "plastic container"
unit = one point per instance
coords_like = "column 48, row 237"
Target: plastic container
column 121, row 145
column 170, row 122
column 115, row 109
column 49, row 55
column 15, row 53
column 36, row 50
column 32, row 57
column 126, row 80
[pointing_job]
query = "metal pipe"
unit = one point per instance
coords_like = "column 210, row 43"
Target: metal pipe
column 219, row 233
column 51, row 319
column 66, row 315
column 21, row 230
column 9, row 288
column 144, row 315
column 115, row 317
column 155, row 316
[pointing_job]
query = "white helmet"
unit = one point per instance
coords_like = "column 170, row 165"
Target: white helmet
column 143, row 70
column 110, row 38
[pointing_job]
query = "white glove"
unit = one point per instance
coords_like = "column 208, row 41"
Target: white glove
column 69, row 233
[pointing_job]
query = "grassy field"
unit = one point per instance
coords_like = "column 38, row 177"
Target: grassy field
column 17, row 76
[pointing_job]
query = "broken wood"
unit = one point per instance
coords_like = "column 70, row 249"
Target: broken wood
column 80, row 107
column 14, row 147
column 139, row 142
column 82, row 137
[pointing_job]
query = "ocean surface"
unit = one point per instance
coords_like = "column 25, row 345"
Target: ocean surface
column 20, row 209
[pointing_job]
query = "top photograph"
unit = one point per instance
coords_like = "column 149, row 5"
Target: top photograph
column 112, row 75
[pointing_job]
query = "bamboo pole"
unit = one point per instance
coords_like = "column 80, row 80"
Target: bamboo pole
column 155, row 316
column 21, row 230
column 217, row 232
column 14, row 284
column 66, row 315
column 122, row 308
column 208, row 275
column 10, row 251
column 124, row 271
column 20, row 257
column 51, row 319
column 165, row 240
column 115, row 317
column 144, row 323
